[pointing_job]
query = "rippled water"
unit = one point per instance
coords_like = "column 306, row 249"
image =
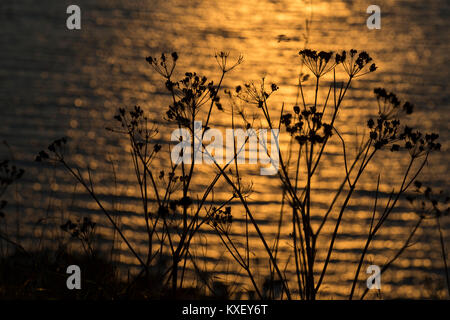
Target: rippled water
column 56, row 82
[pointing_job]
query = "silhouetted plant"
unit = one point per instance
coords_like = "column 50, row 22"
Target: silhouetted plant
column 8, row 174
column 307, row 127
column 179, row 212
column 177, row 216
